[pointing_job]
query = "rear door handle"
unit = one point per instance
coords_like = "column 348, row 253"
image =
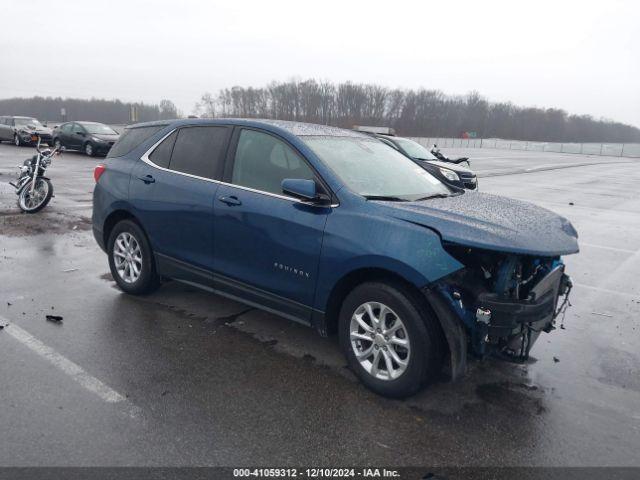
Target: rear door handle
column 231, row 200
column 147, row 179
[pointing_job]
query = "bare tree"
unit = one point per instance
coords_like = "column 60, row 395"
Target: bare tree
column 206, row 107
column 168, row 110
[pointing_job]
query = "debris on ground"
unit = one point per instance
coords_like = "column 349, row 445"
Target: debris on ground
column 602, row 314
column 9, row 304
column 556, row 359
column 54, row 318
column 1, row 327
column 570, row 203
column 69, row 270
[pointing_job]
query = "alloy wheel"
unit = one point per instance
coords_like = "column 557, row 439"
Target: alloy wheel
column 380, row 341
column 127, row 257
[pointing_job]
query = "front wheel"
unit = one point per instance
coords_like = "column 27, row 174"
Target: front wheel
column 88, row 149
column 34, row 201
column 390, row 340
column 131, row 259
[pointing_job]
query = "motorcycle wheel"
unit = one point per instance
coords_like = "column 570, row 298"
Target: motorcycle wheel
column 32, row 202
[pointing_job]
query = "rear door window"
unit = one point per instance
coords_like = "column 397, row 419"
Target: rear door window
column 131, row 138
column 161, row 155
column 200, row 150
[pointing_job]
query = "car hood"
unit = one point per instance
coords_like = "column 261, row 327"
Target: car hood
column 450, row 166
column 32, row 128
column 491, row 222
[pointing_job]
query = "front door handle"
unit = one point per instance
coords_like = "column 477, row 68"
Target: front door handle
column 231, row 200
column 147, row 179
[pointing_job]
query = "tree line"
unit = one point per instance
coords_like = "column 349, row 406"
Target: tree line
column 97, row 110
column 421, row 112
column 411, row 112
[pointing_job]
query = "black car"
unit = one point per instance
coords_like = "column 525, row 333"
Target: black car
column 22, row 130
column 449, row 173
column 91, row 138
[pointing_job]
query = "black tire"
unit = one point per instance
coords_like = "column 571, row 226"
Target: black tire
column 147, row 280
column 89, row 149
column 22, row 202
column 423, row 333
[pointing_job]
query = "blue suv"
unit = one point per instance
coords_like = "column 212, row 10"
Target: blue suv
column 336, row 230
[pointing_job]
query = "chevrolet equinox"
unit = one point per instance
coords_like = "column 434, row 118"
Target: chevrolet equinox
column 336, row 230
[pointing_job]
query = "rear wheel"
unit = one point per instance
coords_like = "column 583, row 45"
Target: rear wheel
column 33, row 201
column 389, row 339
column 131, row 259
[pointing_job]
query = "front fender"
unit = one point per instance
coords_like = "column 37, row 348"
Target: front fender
column 355, row 240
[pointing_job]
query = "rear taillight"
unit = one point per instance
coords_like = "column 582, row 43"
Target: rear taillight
column 98, row 171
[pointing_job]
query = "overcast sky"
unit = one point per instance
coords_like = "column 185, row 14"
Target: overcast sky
column 582, row 56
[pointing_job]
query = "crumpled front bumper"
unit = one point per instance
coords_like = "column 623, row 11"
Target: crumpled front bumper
column 507, row 327
column 505, row 317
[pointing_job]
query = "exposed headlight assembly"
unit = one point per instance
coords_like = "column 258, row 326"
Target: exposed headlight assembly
column 450, row 174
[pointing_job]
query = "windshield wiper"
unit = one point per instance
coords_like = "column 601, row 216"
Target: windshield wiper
column 435, row 195
column 388, row 198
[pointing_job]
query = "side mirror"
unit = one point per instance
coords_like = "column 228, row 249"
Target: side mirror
column 305, row 190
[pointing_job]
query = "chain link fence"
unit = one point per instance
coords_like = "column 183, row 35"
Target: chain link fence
column 608, row 149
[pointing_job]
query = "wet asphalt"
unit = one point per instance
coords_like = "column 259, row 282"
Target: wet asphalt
column 208, row 381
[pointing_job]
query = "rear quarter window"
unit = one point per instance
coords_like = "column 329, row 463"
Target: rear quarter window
column 162, row 154
column 131, row 138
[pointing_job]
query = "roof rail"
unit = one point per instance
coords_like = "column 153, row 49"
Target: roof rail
column 371, row 129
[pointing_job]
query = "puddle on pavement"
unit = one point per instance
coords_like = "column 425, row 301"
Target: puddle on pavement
column 13, row 223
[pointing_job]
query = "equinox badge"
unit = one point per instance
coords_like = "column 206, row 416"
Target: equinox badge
column 288, row 269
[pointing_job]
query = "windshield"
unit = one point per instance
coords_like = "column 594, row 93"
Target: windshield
column 372, row 169
column 20, row 122
column 99, row 129
column 414, row 149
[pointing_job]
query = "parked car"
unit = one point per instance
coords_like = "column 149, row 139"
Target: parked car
column 453, row 174
column 21, row 130
column 92, row 138
column 333, row 229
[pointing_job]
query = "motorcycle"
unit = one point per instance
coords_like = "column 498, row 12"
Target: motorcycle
column 435, row 151
column 34, row 190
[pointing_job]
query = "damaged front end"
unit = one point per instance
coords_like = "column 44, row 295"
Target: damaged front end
column 500, row 301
